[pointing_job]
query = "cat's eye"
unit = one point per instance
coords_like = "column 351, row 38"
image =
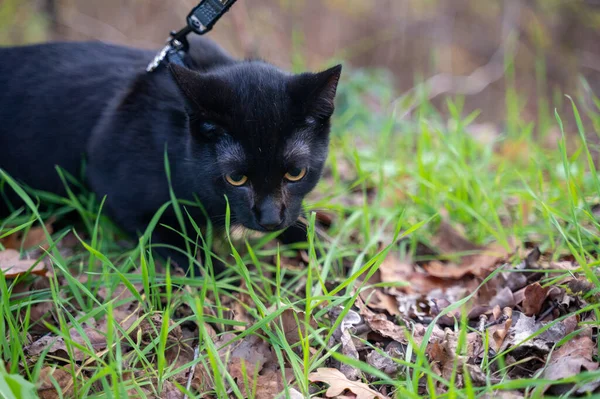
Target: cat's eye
column 295, row 174
column 236, row 179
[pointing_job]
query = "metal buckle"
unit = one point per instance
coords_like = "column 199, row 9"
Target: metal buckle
column 173, row 44
column 159, row 58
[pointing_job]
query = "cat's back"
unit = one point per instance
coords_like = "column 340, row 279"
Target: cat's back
column 51, row 97
column 47, row 73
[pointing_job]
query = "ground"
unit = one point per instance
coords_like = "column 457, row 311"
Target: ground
column 445, row 258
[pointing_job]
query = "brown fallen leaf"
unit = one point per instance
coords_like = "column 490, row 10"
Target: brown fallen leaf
column 500, row 331
column 570, row 323
column 293, row 394
column 294, row 325
column 125, row 314
column 150, row 327
column 240, row 314
column 571, row 358
column 270, row 385
column 251, row 359
column 12, row 266
column 249, row 354
column 533, row 299
column 170, row 391
column 342, row 336
column 581, row 287
column 381, row 325
column 62, row 377
column 522, row 330
column 393, row 270
column 449, row 240
column 41, row 314
column 445, row 357
column 419, row 331
column 376, row 299
column 479, row 264
column 338, row 383
column 58, row 347
column 504, row 298
column 325, row 218
column 385, row 362
column 35, row 237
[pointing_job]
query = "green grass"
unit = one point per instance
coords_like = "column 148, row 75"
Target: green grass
column 387, row 183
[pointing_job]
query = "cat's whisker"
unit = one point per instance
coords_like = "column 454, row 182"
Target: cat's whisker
column 300, row 225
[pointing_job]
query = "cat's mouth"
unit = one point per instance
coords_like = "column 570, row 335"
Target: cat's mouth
column 240, row 232
column 268, row 229
column 256, row 227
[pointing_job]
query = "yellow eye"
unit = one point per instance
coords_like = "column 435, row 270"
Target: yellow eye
column 236, row 179
column 295, row 174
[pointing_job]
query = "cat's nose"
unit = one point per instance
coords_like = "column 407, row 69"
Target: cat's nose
column 269, row 214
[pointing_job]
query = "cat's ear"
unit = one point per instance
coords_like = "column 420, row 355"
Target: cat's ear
column 315, row 92
column 204, row 97
column 205, row 93
column 189, row 82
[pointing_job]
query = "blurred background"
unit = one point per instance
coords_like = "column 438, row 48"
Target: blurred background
column 492, row 51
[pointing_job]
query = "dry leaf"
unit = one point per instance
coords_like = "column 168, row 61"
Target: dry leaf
column 342, row 335
column 499, row 332
column 62, row 377
column 582, row 287
column 338, row 383
column 58, row 346
column 294, row 326
column 504, row 298
column 381, row 325
column 127, row 313
column 376, row 299
column 150, row 326
column 170, row 391
column 386, row 362
column 271, row 385
column 445, row 357
column 525, row 327
column 12, row 266
column 480, row 264
column 240, row 314
column 571, row 358
column 349, row 350
column 34, row 238
column 293, row 394
column 533, row 299
column 449, row 240
column 249, row 354
column 393, row 270
column 40, row 313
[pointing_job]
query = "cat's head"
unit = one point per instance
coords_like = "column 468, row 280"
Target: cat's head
column 268, row 133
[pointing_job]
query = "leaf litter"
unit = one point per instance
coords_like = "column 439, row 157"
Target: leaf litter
column 525, row 319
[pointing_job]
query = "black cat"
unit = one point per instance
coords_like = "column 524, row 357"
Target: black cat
column 244, row 130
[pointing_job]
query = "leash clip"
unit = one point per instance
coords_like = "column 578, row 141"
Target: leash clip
column 176, row 43
column 200, row 20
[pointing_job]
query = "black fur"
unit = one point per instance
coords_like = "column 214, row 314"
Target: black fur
column 63, row 103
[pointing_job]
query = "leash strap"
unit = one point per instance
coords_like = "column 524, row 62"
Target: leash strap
column 200, row 20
